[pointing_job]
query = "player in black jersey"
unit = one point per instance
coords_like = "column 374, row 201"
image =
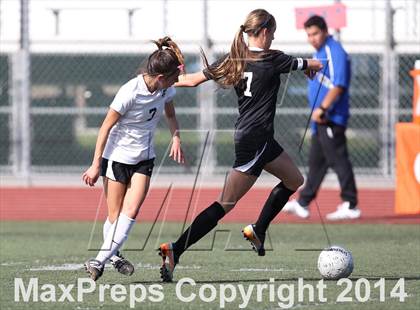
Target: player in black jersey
column 254, row 71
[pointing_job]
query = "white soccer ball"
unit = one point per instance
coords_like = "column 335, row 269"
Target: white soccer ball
column 335, row 263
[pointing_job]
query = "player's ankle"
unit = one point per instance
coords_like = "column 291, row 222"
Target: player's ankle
column 302, row 203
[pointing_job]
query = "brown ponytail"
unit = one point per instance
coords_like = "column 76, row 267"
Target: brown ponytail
column 167, row 42
column 230, row 71
column 166, row 60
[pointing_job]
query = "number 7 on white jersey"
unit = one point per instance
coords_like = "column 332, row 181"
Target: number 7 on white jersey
column 248, row 76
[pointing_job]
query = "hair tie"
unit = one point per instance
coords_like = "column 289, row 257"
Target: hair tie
column 242, row 28
column 265, row 23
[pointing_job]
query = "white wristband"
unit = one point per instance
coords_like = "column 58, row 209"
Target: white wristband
column 299, row 63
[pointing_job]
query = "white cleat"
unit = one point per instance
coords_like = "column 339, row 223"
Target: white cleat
column 344, row 212
column 294, row 207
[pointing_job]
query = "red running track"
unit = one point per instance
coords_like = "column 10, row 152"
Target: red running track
column 81, row 204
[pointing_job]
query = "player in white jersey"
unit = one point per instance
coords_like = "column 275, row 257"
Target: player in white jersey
column 124, row 153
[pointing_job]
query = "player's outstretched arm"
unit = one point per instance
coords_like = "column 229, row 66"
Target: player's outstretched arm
column 91, row 175
column 176, row 151
column 191, row 79
column 314, row 66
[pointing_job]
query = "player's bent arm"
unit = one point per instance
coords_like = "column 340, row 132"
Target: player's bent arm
column 191, row 79
column 91, row 175
column 171, row 119
column 176, row 151
column 110, row 119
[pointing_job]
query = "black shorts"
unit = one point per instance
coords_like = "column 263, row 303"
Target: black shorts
column 122, row 173
column 252, row 155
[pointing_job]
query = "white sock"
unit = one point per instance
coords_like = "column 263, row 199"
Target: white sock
column 116, row 236
column 105, row 230
column 107, row 226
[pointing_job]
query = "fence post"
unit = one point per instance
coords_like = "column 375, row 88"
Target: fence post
column 21, row 134
column 15, row 119
column 206, row 98
column 389, row 94
column 393, row 109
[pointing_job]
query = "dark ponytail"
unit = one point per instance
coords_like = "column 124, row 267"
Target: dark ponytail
column 166, row 60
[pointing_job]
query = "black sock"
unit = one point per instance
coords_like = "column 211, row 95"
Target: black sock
column 275, row 202
column 202, row 224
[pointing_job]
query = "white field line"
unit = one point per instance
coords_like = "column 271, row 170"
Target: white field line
column 64, row 267
column 150, row 266
column 261, row 270
column 71, row 267
column 12, row 264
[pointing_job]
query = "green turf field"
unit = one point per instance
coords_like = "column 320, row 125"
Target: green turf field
column 53, row 252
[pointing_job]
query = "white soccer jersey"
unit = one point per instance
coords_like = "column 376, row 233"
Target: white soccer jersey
column 131, row 138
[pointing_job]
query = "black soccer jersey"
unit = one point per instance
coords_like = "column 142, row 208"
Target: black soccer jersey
column 257, row 91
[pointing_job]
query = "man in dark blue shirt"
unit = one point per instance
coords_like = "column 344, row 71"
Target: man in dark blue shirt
column 329, row 121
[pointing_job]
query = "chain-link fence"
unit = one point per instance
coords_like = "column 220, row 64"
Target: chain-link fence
column 70, row 91
column 70, row 94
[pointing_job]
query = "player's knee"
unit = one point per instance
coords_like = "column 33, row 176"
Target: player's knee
column 112, row 216
column 299, row 180
column 131, row 210
column 294, row 183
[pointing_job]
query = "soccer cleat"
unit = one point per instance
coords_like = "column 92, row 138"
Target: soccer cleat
column 344, row 212
column 167, row 269
column 122, row 265
column 94, row 268
column 295, row 208
column 256, row 242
